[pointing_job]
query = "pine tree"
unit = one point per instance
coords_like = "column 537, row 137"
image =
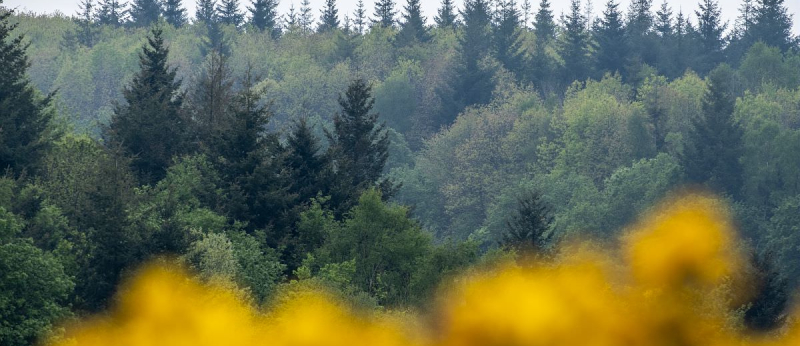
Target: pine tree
column 528, row 229
column 264, row 16
column 211, row 97
column 663, row 25
column 472, row 83
column 206, row 11
column 359, row 147
column 110, row 12
column 666, row 42
column 292, row 21
column 526, row 13
column 507, row 43
column 229, row 13
column 25, row 117
column 360, row 17
column 174, row 13
column 714, row 144
column 710, row 30
column 446, row 17
column 329, row 20
column 412, row 29
column 384, row 13
column 609, row 36
column 145, row 12
column 638, row 30
column 306, row 19
column 574, row 48
column 544, row 26
column 308, row 166
column 772, row 25
column 149, row 126
column 87, row 28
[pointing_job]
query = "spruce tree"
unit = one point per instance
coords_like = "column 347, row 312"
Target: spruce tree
column 574, row 48
column 544, row 26
column 264, row 16
column 663, row 22
column 360, row 20
column 507, row 43
column 714, row 144
column 710, row 29
column 542, row 65
column 211, row 97
column 329, row 20
column 292, row 21
column 149, row 126
column 145, row 12
column 174, row 13
column 666, row 39
column 472, row 83
column 384, row 13
column 772, row 25
column 528, row 230
column 25, row 116
column 206, row 11
column 609, row 36
column 446, row 17
column 359, row 147
column 229, row 13
column 307, row 163
column 110, row 12
column 412, row 29
column 639, row 32
column 526, row 13
column 305, row 18
column 87, row 28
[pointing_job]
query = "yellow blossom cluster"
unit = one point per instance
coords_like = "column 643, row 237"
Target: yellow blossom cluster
column 662, row 287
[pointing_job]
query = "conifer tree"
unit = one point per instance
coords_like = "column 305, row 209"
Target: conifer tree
column 145, row 12
column 264, row 16
column 359, row 147
column 772, row 25
column 308, row 166
column 528, row 229
column 574, row 48
column 211, row 97
column 149, row 126
column 229, row 13
column 472, row 83
column 87, row 28
column 412, row 29
column 507, row 43
column 25, row 116
column 305, row 18
column 666, row 42
column 609, row 36
column 526, row 13
column 360, row 20
column 710, row 29
column 292, row 21
column 714, row 144
column 174, row 13
column 639, row 32
column 446, row 17
column 684, row 53
column 329, row 20
column 663, row 22
column 384, row 13
column 544, row 26
column 206, row 11
column 110, row 12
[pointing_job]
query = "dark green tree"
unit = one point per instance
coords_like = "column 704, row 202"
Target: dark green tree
column 638, row 30
column 384, row 13
column 574, row 48
column 329, row 20
column 529, row 227
column 149, row 126
column 229, row 13
column 309, row 167
column 145, row 12
column 206, row 11
column 360, row 15
column 359, row 147
column 767, row 310
column 542, row 67
column 412, row 29
column 87, row 27
column 507, row 43
column 472, row 81
column 25, row 116
column 446, row 17
column 305, row 18
column 544, row 26
column 264, row 16
column 610, row 38
column 110, row 12
column 772, row 25
column 710, row 30
column 211, row 97
column 174, row 13
column 714, row 144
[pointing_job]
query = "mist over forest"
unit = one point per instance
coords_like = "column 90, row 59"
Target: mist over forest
column 381, row 155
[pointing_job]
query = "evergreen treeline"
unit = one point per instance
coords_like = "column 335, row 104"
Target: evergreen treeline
column 375, row 154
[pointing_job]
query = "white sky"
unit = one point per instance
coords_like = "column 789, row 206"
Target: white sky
column 729, row 7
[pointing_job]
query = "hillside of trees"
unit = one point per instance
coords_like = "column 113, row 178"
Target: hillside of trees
column 378, row 153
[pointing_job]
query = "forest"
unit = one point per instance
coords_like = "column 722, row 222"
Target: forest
column 379, row 155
